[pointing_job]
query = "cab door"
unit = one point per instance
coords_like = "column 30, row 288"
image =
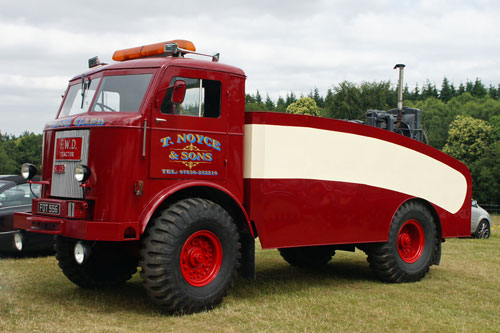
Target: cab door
column 189, row 136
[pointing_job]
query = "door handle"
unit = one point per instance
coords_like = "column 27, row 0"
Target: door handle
column 160, row 120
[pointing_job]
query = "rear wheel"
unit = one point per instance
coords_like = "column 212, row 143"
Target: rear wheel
column 411, row 247
column 483, row 230
column 189, row 256
column 309, row 256
column 109, row 264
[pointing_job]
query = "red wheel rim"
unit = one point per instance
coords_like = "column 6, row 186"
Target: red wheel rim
column 201, row 258
column 411, row 241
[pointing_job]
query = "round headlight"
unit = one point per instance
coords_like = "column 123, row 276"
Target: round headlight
column 28, row 171
column 18, row 241
column 82, row 173
column 81, row 252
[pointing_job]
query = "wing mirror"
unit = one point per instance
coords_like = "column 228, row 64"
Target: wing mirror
column 179, row 91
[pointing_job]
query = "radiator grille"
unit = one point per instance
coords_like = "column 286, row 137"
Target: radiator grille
column 64, row 184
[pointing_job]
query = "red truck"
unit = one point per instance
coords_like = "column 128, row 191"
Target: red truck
column 152, row 162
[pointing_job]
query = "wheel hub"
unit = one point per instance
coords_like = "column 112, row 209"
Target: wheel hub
column 405, row 242
column 411, row 241
column 195, row 256
column 201, row 258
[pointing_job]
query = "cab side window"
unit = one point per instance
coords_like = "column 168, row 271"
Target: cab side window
column 202, row 98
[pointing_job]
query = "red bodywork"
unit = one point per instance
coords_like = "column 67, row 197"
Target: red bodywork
column 299, row 212
column 133, row 174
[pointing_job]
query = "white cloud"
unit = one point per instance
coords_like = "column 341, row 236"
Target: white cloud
column 282, row 45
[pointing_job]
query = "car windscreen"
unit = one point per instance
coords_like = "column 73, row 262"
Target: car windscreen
column 16, row 195
column 121, row 93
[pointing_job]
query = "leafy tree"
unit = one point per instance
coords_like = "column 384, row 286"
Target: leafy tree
column 469, row 87
column 304, row 105
column 446, row 93
column 328, row 108
column 454, row 92
column 290, row 98
column 249, row 99
column 495, row 122
column 493, row 92
column 469, row 139
column 436, row 118
column 429, row 90
column 461, row 89
column 478, row 89
column 254, row 103
column 346, row 102
column 269, row 103
column 7, row 164
column 486, row 170
column 317, row 98
column 281, row 105
column 29, row 149
column 416, row 94
column 258, row 97
column 486, row 176
column 482, row 108
column 378, row 95
column 406, row 93
column 255, row 107
column 16, row 151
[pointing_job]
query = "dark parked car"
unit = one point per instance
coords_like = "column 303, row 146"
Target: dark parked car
column 15, row 196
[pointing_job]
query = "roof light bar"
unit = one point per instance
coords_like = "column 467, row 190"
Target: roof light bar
column 158, row 49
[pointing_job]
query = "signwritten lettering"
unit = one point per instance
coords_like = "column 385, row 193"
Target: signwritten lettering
column 69, row 149
column 191, row 150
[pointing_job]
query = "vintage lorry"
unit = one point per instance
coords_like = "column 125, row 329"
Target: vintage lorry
column 152, row 162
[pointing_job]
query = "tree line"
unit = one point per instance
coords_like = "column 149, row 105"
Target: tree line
column 462, row 121
column 348, row 100
column 14, row 151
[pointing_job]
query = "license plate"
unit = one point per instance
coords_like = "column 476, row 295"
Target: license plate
column 49, row 208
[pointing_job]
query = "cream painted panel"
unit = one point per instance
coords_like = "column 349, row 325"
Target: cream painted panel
column 289, row 152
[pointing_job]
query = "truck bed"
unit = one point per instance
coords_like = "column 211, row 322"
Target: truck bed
column 318, row 181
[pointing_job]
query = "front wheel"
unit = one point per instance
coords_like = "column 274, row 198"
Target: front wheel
column 189, row 256
column 412, row 245
column 483, row 230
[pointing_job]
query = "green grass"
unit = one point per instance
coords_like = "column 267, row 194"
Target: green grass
column 462, row 294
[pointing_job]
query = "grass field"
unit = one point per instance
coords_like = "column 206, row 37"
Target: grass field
column 462, row 294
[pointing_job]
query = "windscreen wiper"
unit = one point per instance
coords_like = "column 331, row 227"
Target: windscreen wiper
column 85, row 86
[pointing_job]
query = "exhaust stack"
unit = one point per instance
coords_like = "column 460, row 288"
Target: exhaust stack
column 401, row 68
column 401, row 120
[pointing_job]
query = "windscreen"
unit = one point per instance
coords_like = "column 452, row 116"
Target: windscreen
column 79, row 97
column 123, row 93
column 118, row 93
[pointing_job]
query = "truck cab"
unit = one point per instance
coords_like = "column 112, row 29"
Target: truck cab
column 118, row 124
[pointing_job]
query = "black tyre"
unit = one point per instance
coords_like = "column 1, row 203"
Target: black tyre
column 190, row 256
column 308, row 256
column 413, row 243
column 110, row 264
column 483, row 230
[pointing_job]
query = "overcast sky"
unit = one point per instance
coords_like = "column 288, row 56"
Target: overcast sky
column 282, row 46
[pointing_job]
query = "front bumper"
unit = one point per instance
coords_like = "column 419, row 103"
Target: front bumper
column 78, row 229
